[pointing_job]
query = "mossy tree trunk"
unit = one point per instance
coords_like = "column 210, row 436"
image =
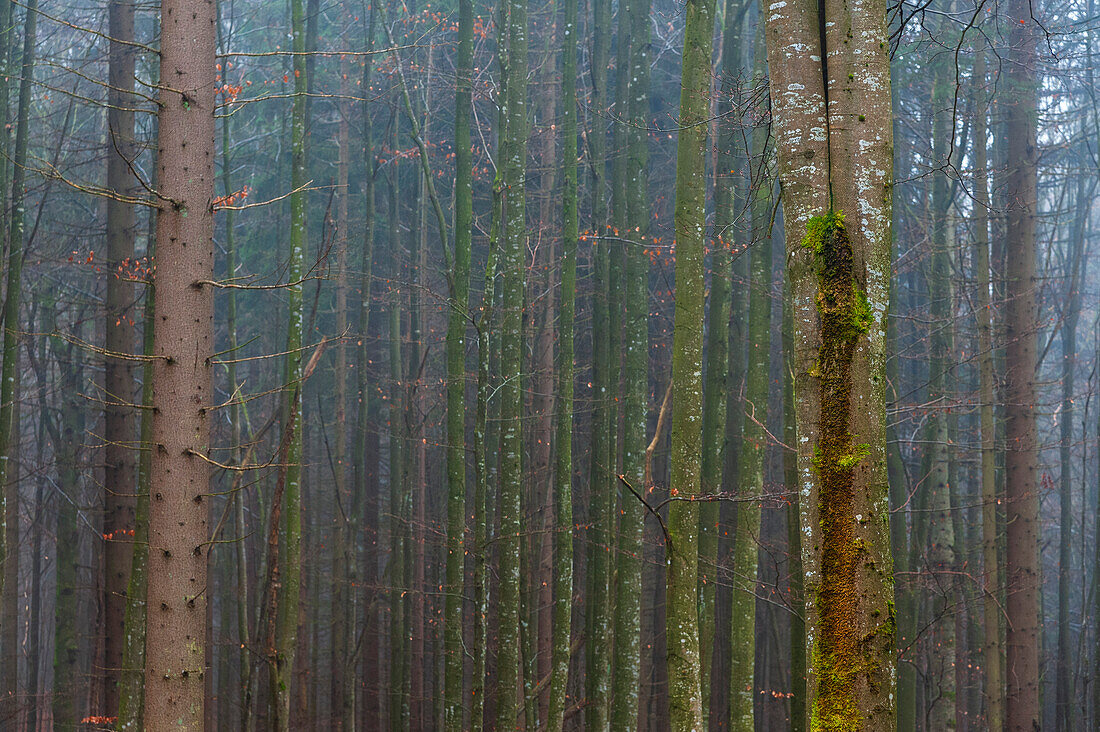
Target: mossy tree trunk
column 289, row 590
column 514, row 162
column 835, row 161
column 563, row 428
column 682, row 614
column 991, row 649
column 456, row 374
column 628, row 574
column 597, row 610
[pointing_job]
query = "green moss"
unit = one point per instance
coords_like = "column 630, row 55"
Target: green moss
column 842, row 655
column 857, row 453
column 818, row 228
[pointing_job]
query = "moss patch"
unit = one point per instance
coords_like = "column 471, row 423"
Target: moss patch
column 840, row 656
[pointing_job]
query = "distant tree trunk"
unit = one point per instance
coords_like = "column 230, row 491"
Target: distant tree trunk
column 9, row 391
column 514, row 159
column 754, row 445
column 941, row 665
column 794, row 527
column 597, row 608
column 635, row 347
column 1066, row 701
column 343, row 555
column 183, row 347
column 682, row 619
column 120, row 456
column 14, row 698
column 12, row 295
column 398, row 707
column 289, row 589
column 132, row 684
column 725, row 368
column 835, row 161
column 992, row 653
column 67, row 681
column 563, row 466
column 366, row 504
column 456, row 375
column 1022, row 710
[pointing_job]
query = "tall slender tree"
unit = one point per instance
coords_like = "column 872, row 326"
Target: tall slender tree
column 456, row 370
column 182, row 348
column 1022, row 708
column 682, row 616
column 563, row 434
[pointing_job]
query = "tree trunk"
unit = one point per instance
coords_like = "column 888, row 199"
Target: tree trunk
column 563, row 466
column 834, row 160
column 682, row 619
column 183, row 347
column 514, row 154
column 120, row 486
column 992, row 652
column 1022, row 711
column 754, row 445
column 941, row 664
column 628, row 602
column 456, row 375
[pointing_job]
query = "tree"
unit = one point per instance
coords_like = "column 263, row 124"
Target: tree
column 120, row 475
column 456, row 370
column 1021, row 439
column 183, row 347
column 834, row 162
column 563, row 434
column 682, row 619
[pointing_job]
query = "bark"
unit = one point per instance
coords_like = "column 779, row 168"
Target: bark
column 289, row 588
column 514, row 154
column 120, row 486
column 940, row 676
column 628, row 605
column 456, row 375
column 183, row 346
column 682, row 620
column 835, row 162
column 597, row 614
column 754, row 447
column 563, row 428
column 992, row 652
column 1022, row 710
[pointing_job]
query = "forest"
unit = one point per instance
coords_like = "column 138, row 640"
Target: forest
column 549, row 365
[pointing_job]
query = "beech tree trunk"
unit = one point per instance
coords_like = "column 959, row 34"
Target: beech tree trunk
column 835, row 164
column 682, row 615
